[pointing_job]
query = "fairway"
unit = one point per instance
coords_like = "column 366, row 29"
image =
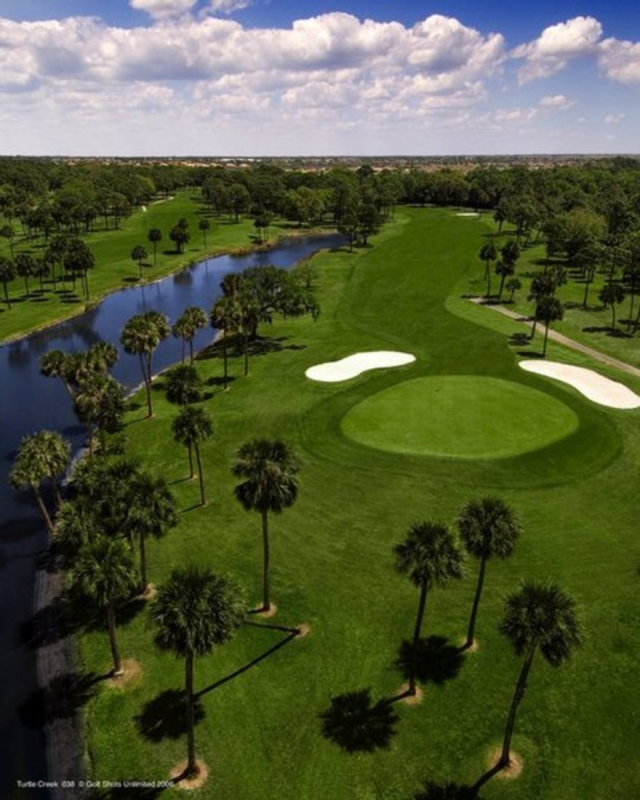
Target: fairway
column 462, row 416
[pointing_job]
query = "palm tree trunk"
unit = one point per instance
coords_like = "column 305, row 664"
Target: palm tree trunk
column 224, row 358
column 191, row 351
column 148, row 382
column 191, row 470
column 43, row 509
column 115, row 651
column 416, row 638
column 533, row 328
column 143, row 561
column 266, row 602
column 203, row 500
column 505, row 757
column 56, row 491
column 6, row 295
column 476, row 603
column 192, row 767
column 544, row 344
column 246, row 353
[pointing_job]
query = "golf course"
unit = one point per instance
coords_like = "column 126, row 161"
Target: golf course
column 285, row 716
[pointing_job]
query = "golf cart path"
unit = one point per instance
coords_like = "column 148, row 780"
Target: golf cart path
column 561, row 339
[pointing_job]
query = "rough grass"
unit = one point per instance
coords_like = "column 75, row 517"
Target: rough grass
column 261, row 732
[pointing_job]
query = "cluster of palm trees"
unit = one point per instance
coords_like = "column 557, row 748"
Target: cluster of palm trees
column 538, row 617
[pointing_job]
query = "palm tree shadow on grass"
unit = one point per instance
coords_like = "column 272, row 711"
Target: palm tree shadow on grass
column 63, row 696
column 446, row 791
column 438, row 660
column 355, row 724
column 165, row 716
column 126, row 792
column 293, row 635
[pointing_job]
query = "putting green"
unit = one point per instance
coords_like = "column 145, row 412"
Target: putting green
column 464, row 416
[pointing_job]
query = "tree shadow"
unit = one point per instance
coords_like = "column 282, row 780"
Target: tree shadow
column 519, row 339
column 165, row 716
column 446, row 791
column 438, row 661
column 216, row 382
column 63, row 696
column 355, row 724
column 126, row 792
column 293, row 635
column 47, row 626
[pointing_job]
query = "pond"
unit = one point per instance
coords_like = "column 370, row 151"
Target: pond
column 30, row 402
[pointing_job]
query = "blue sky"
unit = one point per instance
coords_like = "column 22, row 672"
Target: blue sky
column 272, row 77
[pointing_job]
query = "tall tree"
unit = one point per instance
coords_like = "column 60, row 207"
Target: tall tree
column 429, row 556
column 155, row 236
column 7, row 274
column 537, row 617
column 488, row 253
column 203, row 226
column 194, row 612
column 611, row 294
column 488, row 529
column 25, row 266
column 152, row 513
column 141, row 336
column 184, row 385
column 104, row 572
column 187, row 325
column 99, row 403
column 190, row 427
column 548, row 310
column 79, row 259
column 225, row 316
column 138, row 254
column 270, row 484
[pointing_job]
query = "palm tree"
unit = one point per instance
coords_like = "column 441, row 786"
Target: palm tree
column 7, row 274
column 99, row 403
column 152, row 513
column 140, row 336
column 429, row 556
column 537, row 617
column 548, row 309
column 488, row 253
column 192, row 319
column 269, row 469
column 204, row 225
column 488, row 528
column 105, row 573
column 194, row 612
column 138, row 254
column 610, row 294
column 42, row 456
column 154, row 236
column 225, row 315
column 25, row 266
column 184, row 385
column 190, row 427
column 56, row 364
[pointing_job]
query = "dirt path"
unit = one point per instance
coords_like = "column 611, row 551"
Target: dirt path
column 564, row 340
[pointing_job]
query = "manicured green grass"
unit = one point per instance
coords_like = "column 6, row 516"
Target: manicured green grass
column 114, row 267
column 332, row 567
column 456, row 416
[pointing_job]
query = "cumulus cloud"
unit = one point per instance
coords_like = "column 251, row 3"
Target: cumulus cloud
column 556, row 101
column 226, row 6
column 163, row 9
column 614, row 119
column 556, row 46
column 620, row 61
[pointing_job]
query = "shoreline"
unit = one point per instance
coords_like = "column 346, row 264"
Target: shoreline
column 240, row 250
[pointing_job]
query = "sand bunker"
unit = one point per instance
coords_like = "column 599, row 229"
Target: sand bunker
column 592, row 385
column 467, row 214
column 352, row 366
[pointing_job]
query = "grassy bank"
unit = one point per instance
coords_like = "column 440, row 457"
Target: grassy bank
column 261, row 732
column 115, row 269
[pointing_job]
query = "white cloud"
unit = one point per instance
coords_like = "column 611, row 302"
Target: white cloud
column 163, row 9
column 226, row 6
column 614, row 119
column 620, row 61
column 556, row 46
column 556, row 101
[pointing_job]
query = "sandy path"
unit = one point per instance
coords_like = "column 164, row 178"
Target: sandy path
column 564, row 340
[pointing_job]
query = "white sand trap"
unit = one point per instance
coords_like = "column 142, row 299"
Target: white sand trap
column 467, row 214
column 592, row 385
column 352, row 366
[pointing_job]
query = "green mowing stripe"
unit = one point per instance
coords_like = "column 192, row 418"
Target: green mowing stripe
column 462, row 416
